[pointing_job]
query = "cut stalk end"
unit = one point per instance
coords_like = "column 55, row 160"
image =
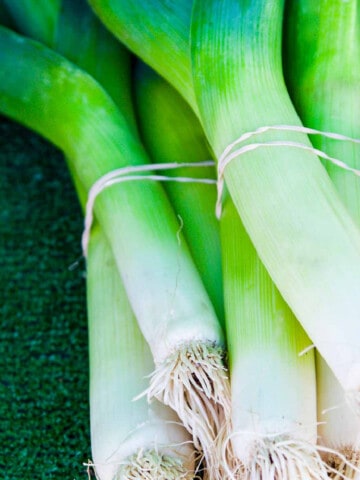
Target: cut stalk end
column 193, row 381
column 275, row 457
column 151, row 465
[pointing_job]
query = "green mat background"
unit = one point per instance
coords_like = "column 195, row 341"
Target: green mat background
column 44, row 419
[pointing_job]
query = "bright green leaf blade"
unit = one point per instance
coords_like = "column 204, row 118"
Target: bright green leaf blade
column 158, row 32
column 35, row 18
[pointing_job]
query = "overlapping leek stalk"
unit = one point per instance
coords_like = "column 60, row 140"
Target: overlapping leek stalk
column 82, row 38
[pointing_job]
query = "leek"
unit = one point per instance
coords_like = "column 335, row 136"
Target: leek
column 171, row 132
column 304, row 235
column 162, row 283
column 129, row 439
column 323, row 73
column 272, row 386
column 144, row 439
column 339, row 427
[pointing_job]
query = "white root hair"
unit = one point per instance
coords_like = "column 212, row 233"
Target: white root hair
column 278, row 457
column 149, row 465
column 193, row 381
column 343, row 464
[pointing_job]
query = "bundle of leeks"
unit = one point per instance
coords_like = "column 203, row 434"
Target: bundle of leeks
column 290, row 246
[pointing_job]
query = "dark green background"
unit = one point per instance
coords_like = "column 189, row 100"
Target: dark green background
column 44, row 420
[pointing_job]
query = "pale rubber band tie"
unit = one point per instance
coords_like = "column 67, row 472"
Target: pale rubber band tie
column 124, row 175
column 228, row 154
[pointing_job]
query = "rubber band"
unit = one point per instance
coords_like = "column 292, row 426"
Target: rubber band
column 229, row 154
column 124, row 175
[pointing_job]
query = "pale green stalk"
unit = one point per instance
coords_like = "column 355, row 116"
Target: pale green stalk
column 323, row 72
column 162, row 283
column 171, row 133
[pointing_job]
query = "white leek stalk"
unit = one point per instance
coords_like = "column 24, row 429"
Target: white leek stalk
column 272, row 384
column 129, row 439
column 339, row 427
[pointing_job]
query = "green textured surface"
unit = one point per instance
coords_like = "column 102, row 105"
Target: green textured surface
column 44, row 422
